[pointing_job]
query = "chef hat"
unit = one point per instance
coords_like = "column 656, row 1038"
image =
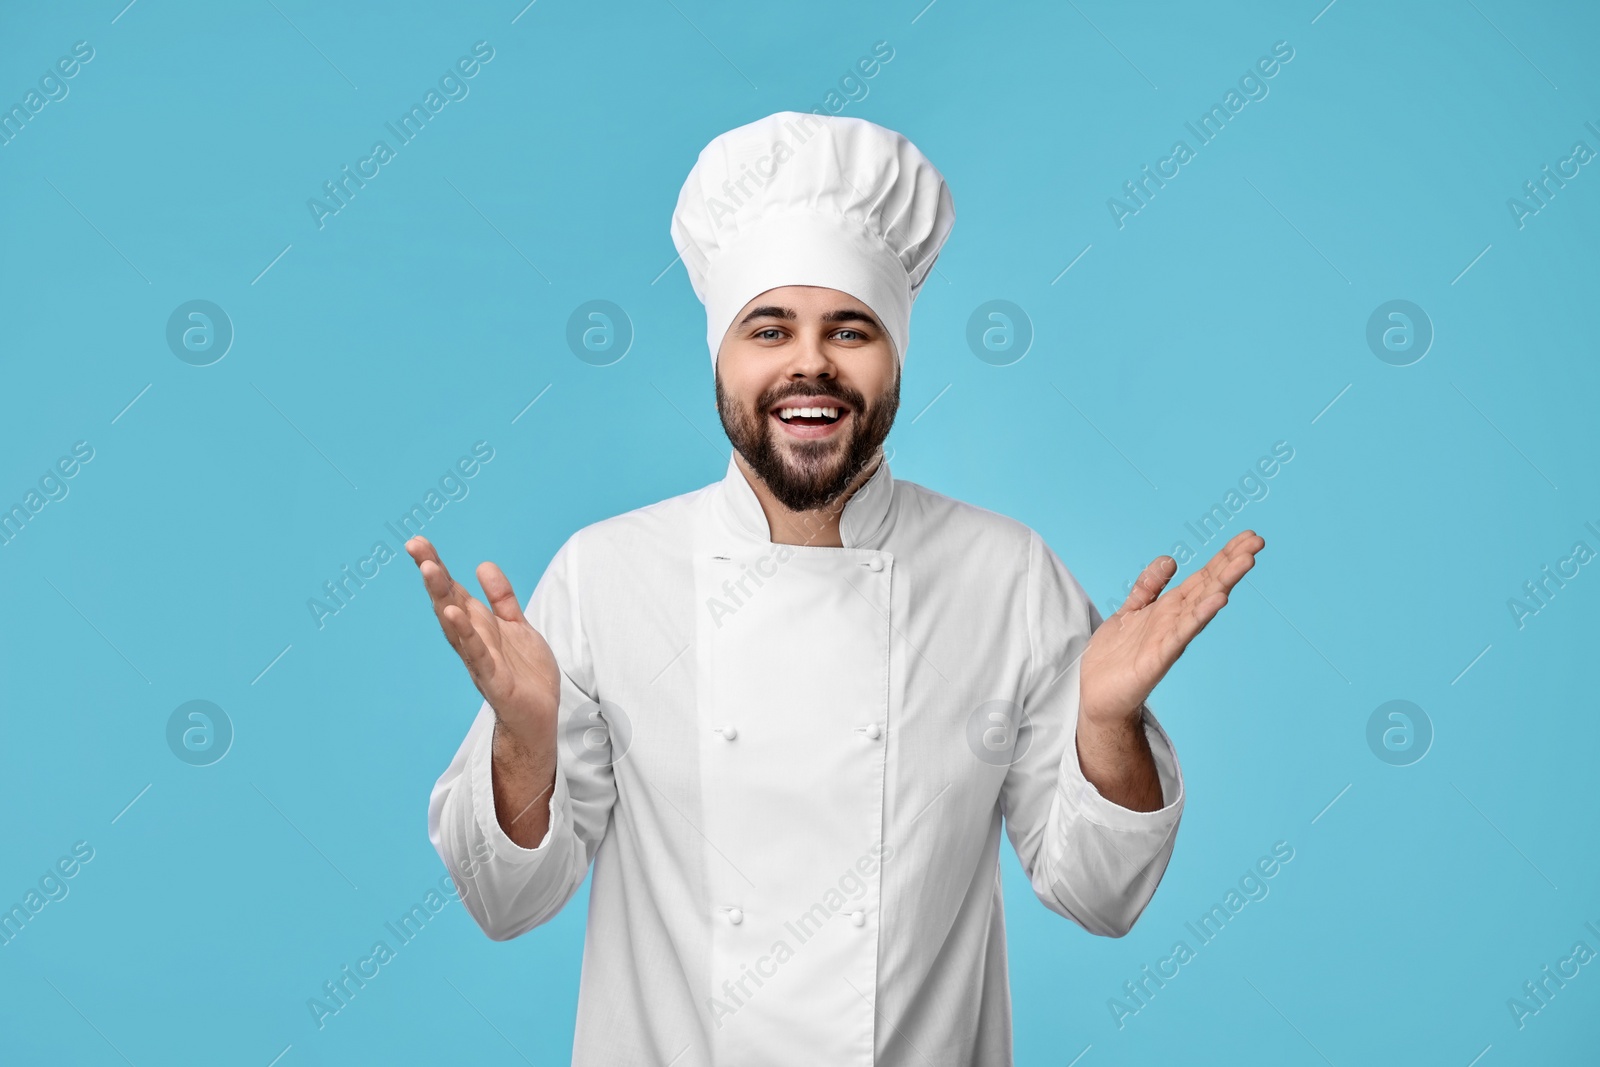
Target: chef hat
column 803, row 199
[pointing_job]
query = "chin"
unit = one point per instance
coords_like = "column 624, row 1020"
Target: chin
column 805, row 456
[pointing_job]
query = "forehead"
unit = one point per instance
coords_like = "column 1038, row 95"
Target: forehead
column 804, row 300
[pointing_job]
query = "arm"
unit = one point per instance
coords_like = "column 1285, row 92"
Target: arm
column 516, row 817
column 523, row 773
column 1089, row 856
column 1096, row 849
column 1115, row 757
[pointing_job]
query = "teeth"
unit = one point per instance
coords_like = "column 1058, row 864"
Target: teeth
column 789, row 413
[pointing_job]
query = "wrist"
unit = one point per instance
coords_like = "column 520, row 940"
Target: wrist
column 515, row 744
column 1105, row 718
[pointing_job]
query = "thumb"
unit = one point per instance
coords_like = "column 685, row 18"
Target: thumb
column 497, row 588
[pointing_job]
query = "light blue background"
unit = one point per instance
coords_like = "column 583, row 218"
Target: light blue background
column 1227, row 315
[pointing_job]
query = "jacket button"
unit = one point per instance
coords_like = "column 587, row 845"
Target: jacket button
column 735, row 916
column 858, row 917
column 875, row 564
column 728, row 732
column 874, row 731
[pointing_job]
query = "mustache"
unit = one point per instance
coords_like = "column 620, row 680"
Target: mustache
column 799, row 391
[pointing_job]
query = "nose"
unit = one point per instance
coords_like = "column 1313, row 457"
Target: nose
column 809, row 358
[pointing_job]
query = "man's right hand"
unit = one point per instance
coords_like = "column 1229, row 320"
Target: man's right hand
column 514, row 669
column 508, row 660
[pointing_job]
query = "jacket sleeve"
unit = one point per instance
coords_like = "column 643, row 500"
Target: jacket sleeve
column 509, row 889
column 1088, row 859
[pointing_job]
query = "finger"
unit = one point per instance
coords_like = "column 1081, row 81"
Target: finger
column 420, row 548
column 1199, row 604
column 497, row 587
column 1179, row 617
column 428, row 562
column 1237, row 557
column 447, row 594
column 469, row 644
column 1223, row 571
column 1223, row 574
column 442, row 588
column 1188, row 626
column 422, row 553
column 1242, row 543
column 435, row 575
column 1150, row 582
column 1241, row 538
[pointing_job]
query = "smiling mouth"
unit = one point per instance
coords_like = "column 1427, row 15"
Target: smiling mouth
column 809, row 414
column 809, row 418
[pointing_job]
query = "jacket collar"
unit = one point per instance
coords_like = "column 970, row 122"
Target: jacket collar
column 863, row 523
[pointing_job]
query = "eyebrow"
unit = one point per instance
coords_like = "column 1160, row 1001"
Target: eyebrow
column 772, row 311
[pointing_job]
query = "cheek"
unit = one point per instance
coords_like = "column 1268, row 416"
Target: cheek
column 882, row 389
column 743, row 395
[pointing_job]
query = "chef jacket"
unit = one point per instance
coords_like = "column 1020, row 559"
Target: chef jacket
column 790, row 766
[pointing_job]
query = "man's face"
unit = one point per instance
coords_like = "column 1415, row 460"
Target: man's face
column 801, row 347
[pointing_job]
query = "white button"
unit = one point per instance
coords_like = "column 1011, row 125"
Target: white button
column 874, row 731
column 858, row 917
column 728, row 732
column 875, row 564
column 735, row 916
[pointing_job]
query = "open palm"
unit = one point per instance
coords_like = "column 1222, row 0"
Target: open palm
column 1133, row 650
column 509, row 661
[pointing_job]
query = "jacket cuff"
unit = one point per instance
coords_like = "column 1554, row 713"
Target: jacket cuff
column 480, row 769
column 1080, row 795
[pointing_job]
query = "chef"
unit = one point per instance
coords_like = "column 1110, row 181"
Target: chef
column 788, row 715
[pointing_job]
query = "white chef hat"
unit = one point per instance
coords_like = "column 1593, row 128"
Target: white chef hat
column 804, row 199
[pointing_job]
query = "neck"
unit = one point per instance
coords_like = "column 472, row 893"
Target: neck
column 818, row 527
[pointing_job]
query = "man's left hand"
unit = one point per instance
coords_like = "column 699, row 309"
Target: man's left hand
column 1134, row 649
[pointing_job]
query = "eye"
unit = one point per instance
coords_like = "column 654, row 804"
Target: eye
column 855, row 335
column 769, row 333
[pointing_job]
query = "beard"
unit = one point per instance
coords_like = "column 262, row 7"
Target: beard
column 807, row 475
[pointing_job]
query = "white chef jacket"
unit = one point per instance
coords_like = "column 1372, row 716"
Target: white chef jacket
column 790, row 766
